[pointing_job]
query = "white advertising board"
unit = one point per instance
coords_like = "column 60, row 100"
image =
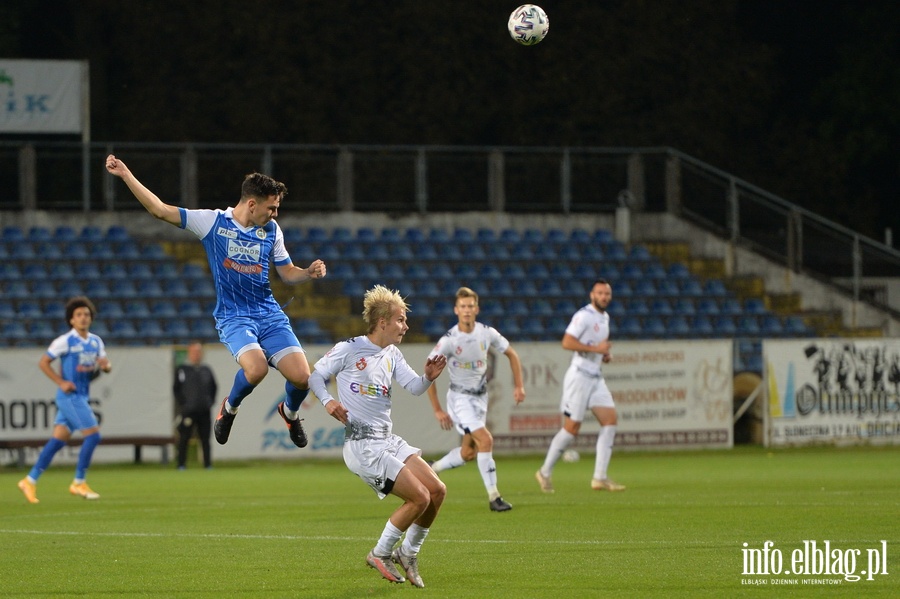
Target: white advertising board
column 833, row 391
column 43, row 96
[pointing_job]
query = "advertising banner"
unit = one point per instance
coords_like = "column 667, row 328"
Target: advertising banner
column 836, row 391
column 43, row 96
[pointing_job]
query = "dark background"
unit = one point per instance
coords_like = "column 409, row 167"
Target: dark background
column 799, row 97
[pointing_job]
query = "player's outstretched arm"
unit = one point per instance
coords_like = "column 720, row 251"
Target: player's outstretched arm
column 147, row 198
column 516, row 365
column 294, row 274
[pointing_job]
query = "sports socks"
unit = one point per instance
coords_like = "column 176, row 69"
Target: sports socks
column 84, row 456
column 295, row 397
column 45, row 457
column 389, row 538
column 239, row 390
column 560, row 443
column 488, row 469
column 453, row 459
column 604, row 450
column 415, row 536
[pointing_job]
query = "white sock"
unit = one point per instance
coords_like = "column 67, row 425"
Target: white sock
column 453, row 459
column 388, row 539
column 604, row 450
column 415, row 536
column 558, row 445
column 488, row 469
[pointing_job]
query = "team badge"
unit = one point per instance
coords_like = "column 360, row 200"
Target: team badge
column 361, row 364
column 261, row 233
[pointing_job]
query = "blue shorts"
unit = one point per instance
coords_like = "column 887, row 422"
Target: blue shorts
column 74, row 412
column 272, row 334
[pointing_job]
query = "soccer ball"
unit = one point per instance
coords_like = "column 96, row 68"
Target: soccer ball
column 528, row 24
column 570, row 455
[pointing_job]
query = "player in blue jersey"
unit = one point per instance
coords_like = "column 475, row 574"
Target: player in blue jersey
column 240, row 242
column 82, row 356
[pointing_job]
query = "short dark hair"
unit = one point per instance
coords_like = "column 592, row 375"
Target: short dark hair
column 601, row 282
column 257, row 185
column 76, row 302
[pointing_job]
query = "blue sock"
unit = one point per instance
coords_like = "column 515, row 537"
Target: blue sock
column 84, row 456
column 295, row 396
column 240, row 389
column 43, row 461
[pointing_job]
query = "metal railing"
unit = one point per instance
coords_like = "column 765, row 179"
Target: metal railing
column 70, row 176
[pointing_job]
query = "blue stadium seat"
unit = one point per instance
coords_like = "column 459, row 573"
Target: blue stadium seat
column 579, row 236
column 110, row 309
column 175, row 288
column 631, row 271
column 485, row 235
column 537, row 271
column 7, row 310
column 366, row 235
column 316, row 235
column 724, row 325
column 140, row 270
column 29, row 309
column 661, row 306
column 510, row 236
column 513, row 271
column 63, row 233
column 708, row 306
column 176, row 329
column 489, row 271
column 17, row 290
column 715, row 287
column 795, row 327
column 461, row 235
column 573, row 287
column 466, row 274
column 569, row 253
column 149, row 288
column 678, row 326
column 703, row 326
column 532, row 329
column 307, row 327
column 622, row 289
column 678, row 271
column 615, row 251
column 489, row 309
column 341, row 271
column 14, row 330
column 497, row 252
column 434, row 327
column 556, row 236
column 501, row 288
column 685, row 306
column 413, row 235
column 644, row 287
column 41, row 330
column 438, row 235
column 655, row 270
column 22, row 250
column 10, row 271
column 541, row 307
column 426, row 252
column 189, row 309
column 549, row 288
column 204, row 328
column 667, row 287
column 637, row 306
column 602, row 236
column 516, row 307
column 150, row 329
column 639, row 253
column 755, row 305
column 565, row 307
column 91, row 233
column 731, row 307
column 136, row 309
column 522, row 251
column 653, row 326
column 122, row 329
column 392, row 271
column 771, row 326
column 340, row 235
column 440, row 271
column 202, row 288
column 13, row 233
column 555, row 326
column 561, row 271
column 368, row 272
column 691, row 287
column 748, row 324
column 163, row 309
column 509, row 327
column 627, row 327
column 48, row 251
column 43, row 289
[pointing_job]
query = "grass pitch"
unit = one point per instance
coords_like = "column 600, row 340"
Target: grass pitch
column 303, row 528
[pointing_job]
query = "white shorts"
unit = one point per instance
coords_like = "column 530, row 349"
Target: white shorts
column 378, row 462
column 468, row 412
column 582, row 391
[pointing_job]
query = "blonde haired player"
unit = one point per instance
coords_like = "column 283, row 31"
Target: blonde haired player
column 363, row 368
column 466, row 347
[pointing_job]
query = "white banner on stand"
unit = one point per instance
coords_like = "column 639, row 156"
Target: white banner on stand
column 43, row 96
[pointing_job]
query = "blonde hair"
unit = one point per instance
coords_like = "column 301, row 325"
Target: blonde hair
column 379, row 302
column 466, row 292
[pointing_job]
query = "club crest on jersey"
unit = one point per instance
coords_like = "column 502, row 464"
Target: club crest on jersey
column 361, row 364
column 458, row 350
column 261, row 233
column 222, row 231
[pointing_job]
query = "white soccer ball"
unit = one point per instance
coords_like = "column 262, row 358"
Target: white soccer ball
column 570, row 455
column 528, row 24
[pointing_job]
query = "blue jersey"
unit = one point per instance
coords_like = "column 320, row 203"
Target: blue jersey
column 239, row 259
column 78, row 359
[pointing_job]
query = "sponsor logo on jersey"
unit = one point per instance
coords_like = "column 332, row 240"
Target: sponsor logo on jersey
column 226, row 233
column 246, row 269
column 244, row 251
column 370, row 390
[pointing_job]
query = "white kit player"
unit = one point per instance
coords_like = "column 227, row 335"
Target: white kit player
column 584, row 387
column 363, row 369
column 466, row 348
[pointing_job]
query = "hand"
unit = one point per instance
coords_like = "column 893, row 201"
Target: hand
column 435, row 366
column 104, row 364
column 115, row 166
column 67, row 386
column 443, row 419
column 607, row 358
column 316, row 270
column 337, row 411
column 519, row 394
column 603, row 347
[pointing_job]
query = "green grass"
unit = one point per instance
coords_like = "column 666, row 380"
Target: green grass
column 302, row 529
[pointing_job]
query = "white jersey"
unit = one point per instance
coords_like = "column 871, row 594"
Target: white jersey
column 364, row 373
column 590, row 326
column 467, row 356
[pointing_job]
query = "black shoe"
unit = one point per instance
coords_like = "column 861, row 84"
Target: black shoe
column 498, row 505
column 222, row 427
column 295, row 428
